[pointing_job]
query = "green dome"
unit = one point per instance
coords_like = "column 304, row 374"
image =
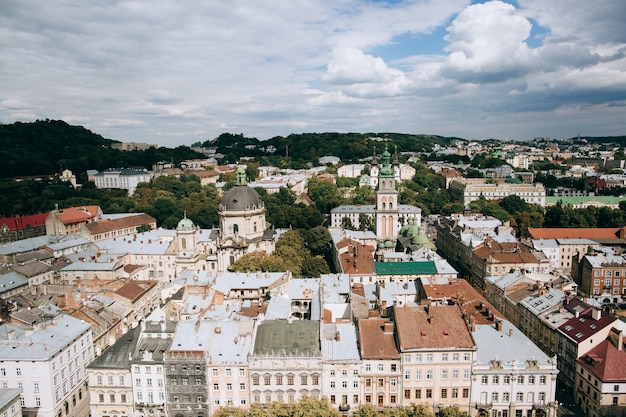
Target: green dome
column 185, row 224
column 389, row 244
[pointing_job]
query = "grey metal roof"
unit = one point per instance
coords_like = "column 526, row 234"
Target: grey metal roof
column 506, row 345
column 117, row 356
column 43, row 343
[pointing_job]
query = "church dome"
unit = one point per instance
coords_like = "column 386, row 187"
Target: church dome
column 241, row 198
column 185, row 224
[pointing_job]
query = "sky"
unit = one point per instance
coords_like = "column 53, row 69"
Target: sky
column 176, row 72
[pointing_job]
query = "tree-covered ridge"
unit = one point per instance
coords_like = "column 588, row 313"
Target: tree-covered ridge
column 45, row 147
column 309, row 147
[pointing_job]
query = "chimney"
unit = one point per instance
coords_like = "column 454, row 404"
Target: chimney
column 510, row 332
column 338, row 336
column 617, row 338
column 596, row 314
column 499, row 325
column 388, row 327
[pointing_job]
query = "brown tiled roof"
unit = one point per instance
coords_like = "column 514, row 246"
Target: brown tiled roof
column 505, row 252
column 358, row 258
column 472, row 303
column 77, row 214
column 104, row 226
column 600, row 233
column 432, row 327
column 375, row 342
column 133, row 290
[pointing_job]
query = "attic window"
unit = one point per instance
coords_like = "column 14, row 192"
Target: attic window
column 579, row 335
column 445, row 332
column 423, row 332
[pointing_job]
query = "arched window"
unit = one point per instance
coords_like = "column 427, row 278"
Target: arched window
column 235, row 228
column 183, row 243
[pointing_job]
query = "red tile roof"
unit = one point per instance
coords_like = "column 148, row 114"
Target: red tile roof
column 606, row 362
column 22, row 222
column 78, row 214
column 358, row 258
column 588, row 323
column 432, row 327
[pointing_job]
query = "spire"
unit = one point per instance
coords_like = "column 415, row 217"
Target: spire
column 241, row 176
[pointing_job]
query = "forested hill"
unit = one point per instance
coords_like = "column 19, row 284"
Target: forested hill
column 309, row 147
column 45, row 147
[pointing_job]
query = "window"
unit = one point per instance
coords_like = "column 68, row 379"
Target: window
column 392, row 399
column 332, row 399
column 344, row 384
column 429, row 374
column 214, row 372
column 531, row 379
column 429, row 393
column 444, row 374
column 98, row 380
column 484, row 379
column 381, row 382
column 519, row 397
column 332, row 372
column 216, row 387
column 466, row 357
column 344, row 372
column 407, row 375
column 368, row 367
column 393, row 382
column 229, row 386
column 381, row 367
column 444, row 357
column 466, row 373
column 36, row 386
column 111, row 398
column 418, row 375
column 542, row 397
column 455, row 374
column 455, row 393
column 242, row 372
column 304, row 379
column 505, row 397
column 444, row 393
column 407, row 394
column 368, row 382
column 255, row 380
column 465, row 392
column 494, row 397
column 123, row 398
column 229, row 372
column 289, row 379
column 394, row 367
column 355, row 383
column 315, row 379
column 455, row 357
column 429, row 357
column 418, row 357
column 267, row 380
column 407, row 359
column 121, row 380
column 530, row 397
column 101, row 398
column 418, row 394
column 616, row 388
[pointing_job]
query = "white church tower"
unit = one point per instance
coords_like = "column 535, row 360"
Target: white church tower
column 387, row 209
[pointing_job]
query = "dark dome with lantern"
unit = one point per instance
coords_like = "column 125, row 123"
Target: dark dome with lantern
column 241, row 197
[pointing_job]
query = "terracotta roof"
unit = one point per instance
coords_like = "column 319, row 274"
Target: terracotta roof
column 22, row 222
column 432, row 327
column 375, row 342
column 606, row 362
column 104, row 226
column 601, row 233
column 77, row 214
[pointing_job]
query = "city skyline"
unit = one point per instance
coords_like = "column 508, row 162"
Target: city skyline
column 173, row 74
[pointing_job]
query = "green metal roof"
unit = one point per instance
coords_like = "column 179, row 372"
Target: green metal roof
column 279, row 337
column 405, row 268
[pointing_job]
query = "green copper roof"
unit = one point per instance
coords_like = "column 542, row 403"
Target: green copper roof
column 405, row 268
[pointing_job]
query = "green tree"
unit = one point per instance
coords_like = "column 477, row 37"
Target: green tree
column 309, row 406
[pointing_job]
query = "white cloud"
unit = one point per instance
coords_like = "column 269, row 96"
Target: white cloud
column 173, row 73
